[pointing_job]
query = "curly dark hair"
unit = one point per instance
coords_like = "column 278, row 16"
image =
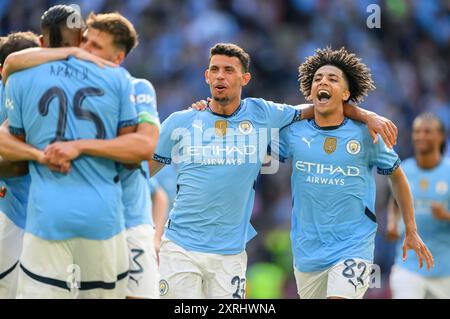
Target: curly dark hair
column 356, row 74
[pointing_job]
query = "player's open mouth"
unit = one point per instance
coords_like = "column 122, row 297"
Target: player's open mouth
column 220, row 87
column 323, row 96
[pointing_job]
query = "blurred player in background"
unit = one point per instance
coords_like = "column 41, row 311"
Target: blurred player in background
column 333, row 234
column 74, row 230
column 219, row 154
column 429, row 176
column 112, row 37
column 14, row 186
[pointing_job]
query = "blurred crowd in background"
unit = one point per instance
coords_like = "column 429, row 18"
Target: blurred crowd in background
column 408, row 55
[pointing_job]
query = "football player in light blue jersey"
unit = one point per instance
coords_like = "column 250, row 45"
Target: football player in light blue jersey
column 333, row 188
column 14, row 186
column 112, row 36
column 429, row 176
column 74, row 219
column 219, row 154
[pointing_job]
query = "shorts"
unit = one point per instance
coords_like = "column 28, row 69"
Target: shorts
column 406, row 284
column 348, row 279
column 11, row 238
column 195, row 275
column 73, row 268
column 144, row 274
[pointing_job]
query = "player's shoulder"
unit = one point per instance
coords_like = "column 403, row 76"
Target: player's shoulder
column 184, row 116
column 446, row 162
column 28, row 74
column 262, row 103
column 261, row 109
column 142, row 83
column 359, row 130
column 409, row 163
column 360, row 126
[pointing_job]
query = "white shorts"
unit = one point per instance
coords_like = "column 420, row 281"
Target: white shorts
column 11, row 238
column 348, row 279
column 194, row 275
column 144, row 274
column 73, row 268
column 406, row 284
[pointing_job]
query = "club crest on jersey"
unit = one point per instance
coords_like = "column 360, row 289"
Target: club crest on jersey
column 245, row 127
column 2, row 192
column 441, row 188
column 423, row 184
column 9, row 104
column 163, row 287
column 221, row 128
column 354, row 147
column 329, row 145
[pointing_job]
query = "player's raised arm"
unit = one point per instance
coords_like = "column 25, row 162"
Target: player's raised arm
column 403, row 196
column 29, row 58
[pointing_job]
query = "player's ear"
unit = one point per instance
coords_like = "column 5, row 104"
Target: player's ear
column 207, row 76
column 41, row 41
column 346, row 95
column 246, row 77
column 120, row 57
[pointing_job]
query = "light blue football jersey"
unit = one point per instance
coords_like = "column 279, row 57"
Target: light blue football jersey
column 136, row 193
column 13, row 191
column 219, row 158
column 71, row 100
column 427, row 186
column 167, row 179
column 3, row 114
column 333, row 191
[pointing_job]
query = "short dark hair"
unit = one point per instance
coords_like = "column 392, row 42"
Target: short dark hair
column 122, row 30
column 356, row 74
column 56, row 18
column 16, row 42
column 427, row 116
column 231, row 50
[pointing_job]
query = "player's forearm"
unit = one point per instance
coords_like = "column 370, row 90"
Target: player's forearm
column 15, row 150
column 29, row 58
column 403, row 196
column 356, row 113
column 160, row 203
column 128, row 149
column 394, row 213
column 307, row 111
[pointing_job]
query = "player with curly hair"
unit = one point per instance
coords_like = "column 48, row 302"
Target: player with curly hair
column 333, row 235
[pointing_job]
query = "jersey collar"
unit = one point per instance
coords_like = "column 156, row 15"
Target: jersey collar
column 223, row 115
column 327, row 128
